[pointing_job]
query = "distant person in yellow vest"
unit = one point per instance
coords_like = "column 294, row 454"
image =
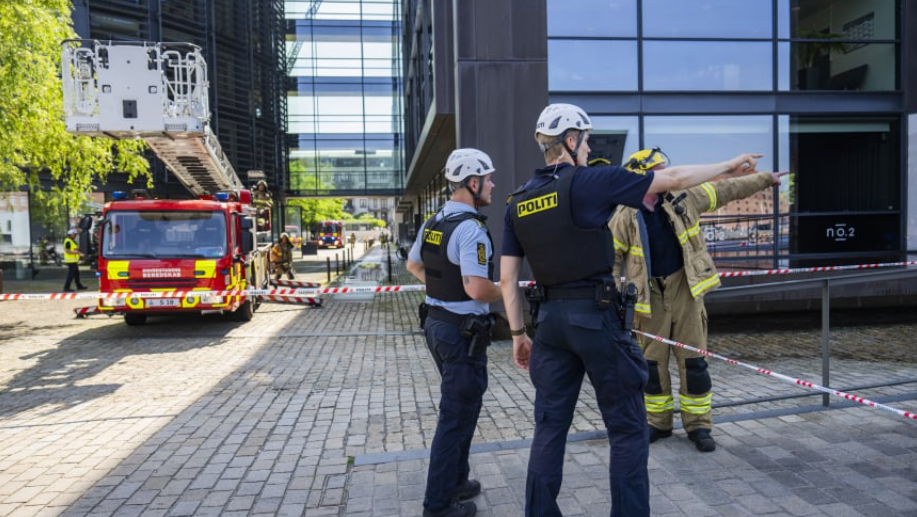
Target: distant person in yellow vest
column 353, row 240
column 282, row 257
column 661, row 249
column 72, row 256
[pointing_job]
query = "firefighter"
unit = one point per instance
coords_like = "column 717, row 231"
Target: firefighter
column 282, row 257
column 577, row 330
column 72, row 256
column 263, row 202
column 670, row 296
column 453, row 256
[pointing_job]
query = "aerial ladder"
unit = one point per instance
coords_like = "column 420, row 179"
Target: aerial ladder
column 156, row 92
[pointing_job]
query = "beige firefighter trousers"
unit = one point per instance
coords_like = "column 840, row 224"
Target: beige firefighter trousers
column 678, row 316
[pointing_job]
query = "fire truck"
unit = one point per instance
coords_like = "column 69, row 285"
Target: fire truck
column 158, row 92
column 329, row 234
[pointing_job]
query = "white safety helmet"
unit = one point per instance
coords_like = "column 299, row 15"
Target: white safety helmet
column 557, row 118
column 464, row 163
column 72, row 231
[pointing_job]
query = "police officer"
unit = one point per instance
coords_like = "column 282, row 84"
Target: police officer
column 72, row 256
column 453, row 256
column 670, row 296
column 558, row 220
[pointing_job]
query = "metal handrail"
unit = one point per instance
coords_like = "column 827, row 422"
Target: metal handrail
column 824, row 284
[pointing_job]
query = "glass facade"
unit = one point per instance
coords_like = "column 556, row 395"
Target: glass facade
column 345, row 111
column 814, row 85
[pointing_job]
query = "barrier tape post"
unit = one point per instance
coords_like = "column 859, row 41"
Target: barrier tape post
column 798, row 382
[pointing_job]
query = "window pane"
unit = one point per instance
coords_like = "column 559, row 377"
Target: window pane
column 592, row 65
column 862, row 19
column 837, row 66
column 707, row 139
column 707, row 18
column 586, row 18
column 703, row 65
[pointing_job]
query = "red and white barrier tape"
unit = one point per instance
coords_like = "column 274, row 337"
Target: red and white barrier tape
column 82, row 312
column 798, row 382
column 315, row 302
column 310, row 291
column 787, row 271
column 294, row 283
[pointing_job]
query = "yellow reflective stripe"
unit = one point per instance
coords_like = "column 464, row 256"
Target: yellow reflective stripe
column 634, row 250
column 696, row 406
column 711, row 193
column 658, row 403
column 642, row 308
column 115, row 267
column 690, row 232
column 205, row 268
column 705, row 285
column 620, row 245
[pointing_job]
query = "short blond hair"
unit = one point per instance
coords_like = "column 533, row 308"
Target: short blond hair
column 557, row 150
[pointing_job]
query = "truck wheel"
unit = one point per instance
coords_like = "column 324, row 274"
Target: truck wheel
column 245, row 312
column 133, row 319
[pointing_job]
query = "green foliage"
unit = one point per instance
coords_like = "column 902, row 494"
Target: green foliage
column 808, row 52
column 33, row 138
column 316, row 209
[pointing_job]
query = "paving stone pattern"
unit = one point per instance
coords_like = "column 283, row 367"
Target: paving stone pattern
column 331, row 411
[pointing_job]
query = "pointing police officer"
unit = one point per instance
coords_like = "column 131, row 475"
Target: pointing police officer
column 453, row 256
column 558, row 221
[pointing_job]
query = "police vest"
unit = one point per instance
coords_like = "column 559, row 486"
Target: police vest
column 558, row 250
column 443, row 278
column 70, row 257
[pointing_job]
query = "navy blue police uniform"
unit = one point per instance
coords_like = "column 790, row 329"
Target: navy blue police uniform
column 453, row 243
column 558, row 221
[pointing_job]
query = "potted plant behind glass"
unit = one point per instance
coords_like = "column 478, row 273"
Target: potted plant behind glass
column 814, row 57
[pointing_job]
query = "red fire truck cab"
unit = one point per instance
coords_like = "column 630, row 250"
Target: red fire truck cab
column 152, row 245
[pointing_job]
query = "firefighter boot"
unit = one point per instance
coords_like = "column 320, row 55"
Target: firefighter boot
column 658, row 434
column 702, row 440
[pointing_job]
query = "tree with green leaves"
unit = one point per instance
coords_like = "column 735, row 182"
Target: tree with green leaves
column 33, row 137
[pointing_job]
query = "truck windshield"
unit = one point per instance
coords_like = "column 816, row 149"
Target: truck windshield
column 164, row 234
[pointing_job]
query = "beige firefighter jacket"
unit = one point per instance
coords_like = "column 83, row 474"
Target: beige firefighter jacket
column 699, row 268
column 282, row 254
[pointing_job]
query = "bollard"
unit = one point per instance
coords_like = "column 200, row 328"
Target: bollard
column 389, row 250
column 328, row 261
column 337, row 265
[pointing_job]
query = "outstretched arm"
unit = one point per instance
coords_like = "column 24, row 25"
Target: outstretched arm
column 680, row 177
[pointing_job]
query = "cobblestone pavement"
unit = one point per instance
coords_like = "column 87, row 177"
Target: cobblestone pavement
column 331, row 411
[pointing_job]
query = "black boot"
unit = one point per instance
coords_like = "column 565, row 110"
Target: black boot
column 702, row 440
column 468, row 490
column 456, row 510
column 658, row 434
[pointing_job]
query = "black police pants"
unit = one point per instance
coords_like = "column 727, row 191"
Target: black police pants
column 464, row 381
column 73, row 273
column 574, row 339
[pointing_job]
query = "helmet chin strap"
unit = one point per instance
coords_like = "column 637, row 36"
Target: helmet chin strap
column 579, row 142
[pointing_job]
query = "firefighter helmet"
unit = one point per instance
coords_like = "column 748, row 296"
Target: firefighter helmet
column 647, row 159
column 464, row 163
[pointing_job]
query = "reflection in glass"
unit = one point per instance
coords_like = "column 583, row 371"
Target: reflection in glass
column 747, row 19
column 707, row 65
column 855, row 20
column 591, row 18
column 592, row 65
column 829, row 65
column 614, row 138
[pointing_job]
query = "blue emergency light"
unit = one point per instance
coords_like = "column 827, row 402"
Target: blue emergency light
column 221, row 196
column 119, row 195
